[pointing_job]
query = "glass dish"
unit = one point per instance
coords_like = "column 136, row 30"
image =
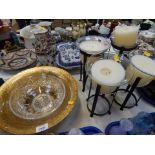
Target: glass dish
column 37, row 96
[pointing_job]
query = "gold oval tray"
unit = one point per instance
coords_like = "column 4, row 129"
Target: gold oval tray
column 16, row 125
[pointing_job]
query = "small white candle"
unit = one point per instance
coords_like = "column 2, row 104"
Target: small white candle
column 107, row 72
column 143, row 67
column 125, row 36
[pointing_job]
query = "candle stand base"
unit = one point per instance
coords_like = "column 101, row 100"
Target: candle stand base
column 129, row 93
column 96, row 96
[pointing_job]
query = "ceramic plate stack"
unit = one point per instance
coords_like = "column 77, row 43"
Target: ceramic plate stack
column 18, row 60
column 36, row 99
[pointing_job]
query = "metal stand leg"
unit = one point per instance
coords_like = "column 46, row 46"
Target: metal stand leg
column 113, row 94
column 1, row 81
column 95, row 100
column 103, row 96
column 130, row 92
column 89, row 90
column 121, row 51
column 127, row 88
column 80, row 71
column 84, row 72
column 138, row 100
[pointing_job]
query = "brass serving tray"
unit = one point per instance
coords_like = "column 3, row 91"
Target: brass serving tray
column 16, row 125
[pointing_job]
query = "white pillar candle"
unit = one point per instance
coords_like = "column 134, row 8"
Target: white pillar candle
column 93, row 46
column 143, row 67
column 108, row 73
column 125, row 36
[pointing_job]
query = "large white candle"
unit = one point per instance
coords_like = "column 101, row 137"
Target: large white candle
column 125, row 36
column 92, row 46
column 108, row 74
column 143, row 67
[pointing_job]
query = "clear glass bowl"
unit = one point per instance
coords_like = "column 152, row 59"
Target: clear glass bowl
column 37, row 96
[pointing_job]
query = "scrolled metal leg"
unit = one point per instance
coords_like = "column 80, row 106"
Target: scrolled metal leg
column 89, row 90
column 114, row 94
column 80, row 71
column 130, row 92
column 127, row 88
column 84, row 73
column 95, row 100
column 138, row 100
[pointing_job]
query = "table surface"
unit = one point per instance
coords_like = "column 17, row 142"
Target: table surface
column 80, row 116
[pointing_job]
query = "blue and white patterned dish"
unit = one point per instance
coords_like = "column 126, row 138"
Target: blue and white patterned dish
column 68, row 55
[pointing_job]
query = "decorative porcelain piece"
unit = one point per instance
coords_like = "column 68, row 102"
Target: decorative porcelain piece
column 28, row 34
column 75, row 32
column 18, row 59
column 104, row 30
column 44, row 43
column 78, row 30
column 46, row 24
column 59, row 30
column 148, row 36
column 142, row 45
column 68, row 55
column 56, row 35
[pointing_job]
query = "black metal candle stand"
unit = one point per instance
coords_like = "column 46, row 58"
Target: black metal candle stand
column 122, row 49
column 96, row 95
column 130, row 92
column 83, row 74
